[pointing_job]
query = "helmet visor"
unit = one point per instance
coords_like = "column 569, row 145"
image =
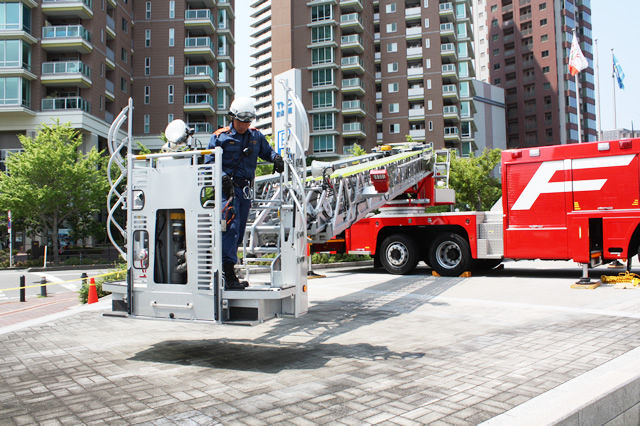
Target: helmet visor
column 245, row 117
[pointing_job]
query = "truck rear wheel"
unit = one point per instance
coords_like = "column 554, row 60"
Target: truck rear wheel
column 449, row 255
column 399, row 254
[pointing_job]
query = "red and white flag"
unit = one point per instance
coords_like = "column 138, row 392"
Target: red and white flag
column 577, row 61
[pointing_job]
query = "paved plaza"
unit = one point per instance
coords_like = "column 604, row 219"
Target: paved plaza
column 516, row 346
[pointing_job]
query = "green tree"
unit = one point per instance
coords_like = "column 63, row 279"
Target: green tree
column 471, row 178
column 52, row 181
column 357, row 150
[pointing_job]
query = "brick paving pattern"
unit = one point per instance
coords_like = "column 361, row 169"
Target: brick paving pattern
column 393, row 353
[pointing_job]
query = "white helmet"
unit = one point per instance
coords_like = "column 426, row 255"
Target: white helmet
column 243, row 109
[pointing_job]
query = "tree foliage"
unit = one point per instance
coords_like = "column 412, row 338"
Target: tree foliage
column 471, row 178
column 52, row 181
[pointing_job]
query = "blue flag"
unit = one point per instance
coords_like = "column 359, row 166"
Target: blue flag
column 617, row 71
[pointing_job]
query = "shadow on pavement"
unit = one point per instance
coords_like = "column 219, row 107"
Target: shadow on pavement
column 273, row 351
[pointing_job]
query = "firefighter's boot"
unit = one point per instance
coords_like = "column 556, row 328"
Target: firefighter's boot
column 231, row 281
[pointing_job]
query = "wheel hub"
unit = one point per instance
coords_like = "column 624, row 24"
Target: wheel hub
column 448, row 255
column 397, row 254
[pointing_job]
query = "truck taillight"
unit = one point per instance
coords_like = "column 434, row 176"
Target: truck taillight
column 380, row 180
column 626, row 144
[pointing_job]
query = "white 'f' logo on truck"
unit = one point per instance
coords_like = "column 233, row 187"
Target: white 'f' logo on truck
column 539, row 183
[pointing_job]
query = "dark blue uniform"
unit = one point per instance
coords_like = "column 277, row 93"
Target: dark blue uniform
column 239, row 159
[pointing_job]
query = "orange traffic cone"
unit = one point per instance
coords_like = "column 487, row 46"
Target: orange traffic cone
column 93, row 292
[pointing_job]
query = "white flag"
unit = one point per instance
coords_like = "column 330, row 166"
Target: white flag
column 577, row 61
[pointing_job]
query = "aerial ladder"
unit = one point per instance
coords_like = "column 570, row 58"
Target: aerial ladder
column 166, row 222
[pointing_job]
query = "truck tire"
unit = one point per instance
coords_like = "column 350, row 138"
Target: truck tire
column 449, row 255
column 398, row 254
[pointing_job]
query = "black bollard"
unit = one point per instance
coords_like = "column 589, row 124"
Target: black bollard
column 84, row 277
column 23, row 284
column 43, row 287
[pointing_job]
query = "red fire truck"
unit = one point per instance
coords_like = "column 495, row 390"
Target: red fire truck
column 565, row 202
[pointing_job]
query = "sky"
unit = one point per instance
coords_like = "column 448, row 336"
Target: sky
column 612, row 23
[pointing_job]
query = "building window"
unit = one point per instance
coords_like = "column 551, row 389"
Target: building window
column 426, row 23
column 123, row 85
column 392, row 47
column 494, row 8
column 322, row 77
column 429, row 105
column 101, row 102
column 323, row 122
column 123, row 54
column 392, row 27
column 171, row 65
column 125, row 25
column 102, row 35
column 391, row 8
column 545, row 70
column 169, row 118
column 496, row 52
column 323, row 99
column 430, row 126
column 172, row 9
column 147, row 38
column 321, row 55
column 545, row 53
column 147, row 94
column 394, row 128
column 494, row 22
column 147, row 14
column 547, row 86
column 172, row 37
column 147, row 66
column 324, row 143
column 321, row 13
column 394, row 107
column 427, row 43
column 170, row 91
column 147, row 123
column 543, row 6
column 427, row 63
column 393, row 87
column 544, row 37
column 392, row 67
column 101, row 69
column 496, row 81
column 321, row 34
column 496, row 66
column 495, row 37
column 543, row 22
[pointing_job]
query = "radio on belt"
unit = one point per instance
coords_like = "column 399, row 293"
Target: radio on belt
column 380, row 180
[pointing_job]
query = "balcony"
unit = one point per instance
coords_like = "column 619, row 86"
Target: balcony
column 416, row 113
column 352, row 63
column 201, row 102
column 199, row 47
column 413, row 32
column 414, row 52
column 110, row 59
column 70, row 38
column 450, row 91
column 412, row 13
column 199, row 76
column 451, row 134
column 199, row 20
column 206, row 128
column 353, row 5
column 353, row 130
column 450, row 112
column 351, row 21
column 446, row 11
column 448, row 50
column 353, row 108
column 417, row 134
column 111, row 28
column 414, row 73
column 449, row 72
column 448, row 32
column 61, row 104
column 414, row 93
column 351, row 44
column 61, row 74
column 80, row 9
column 353, row 85
column 109, row 90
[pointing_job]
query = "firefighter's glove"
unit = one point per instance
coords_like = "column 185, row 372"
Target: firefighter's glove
column 227, row 186
column 278, row 164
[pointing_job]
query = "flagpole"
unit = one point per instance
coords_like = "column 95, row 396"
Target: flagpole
column 613, row 77
column 598, row 91
column 578, row 100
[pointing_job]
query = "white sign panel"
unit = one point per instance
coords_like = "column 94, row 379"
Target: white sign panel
column 292, row 79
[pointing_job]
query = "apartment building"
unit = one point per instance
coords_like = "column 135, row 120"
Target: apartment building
column 373, row 72
column 528, row 52
column 79, row 61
